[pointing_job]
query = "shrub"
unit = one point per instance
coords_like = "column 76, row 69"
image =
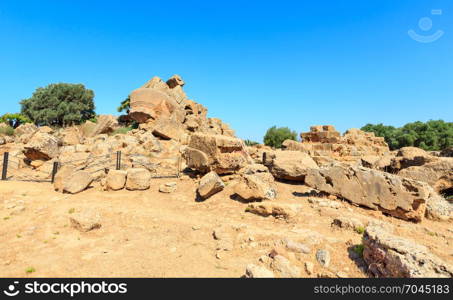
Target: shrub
column 358, row 249
column 6, row 130
column 14, row 120
column 276, row 136
column 59, row 104
column 122, row 130
column 250, row 143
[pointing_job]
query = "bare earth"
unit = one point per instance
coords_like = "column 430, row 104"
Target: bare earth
column 151, row 234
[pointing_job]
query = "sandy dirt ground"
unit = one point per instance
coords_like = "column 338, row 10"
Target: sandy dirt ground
column 151, row 234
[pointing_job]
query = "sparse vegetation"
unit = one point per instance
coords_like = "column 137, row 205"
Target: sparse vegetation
column 6, row 130
column 71, row 211
column 30, row 270
column 60, row 104
column 358, row 249
column 122, row 130
column 360, row 229
column 251, row 143
column 275, row 136
column 431, row 136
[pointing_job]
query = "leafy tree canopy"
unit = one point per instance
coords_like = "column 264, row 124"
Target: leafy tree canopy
column 60, row 104
column 14, row 120
column 125, row 105
column 433, row 135
column 276, row 136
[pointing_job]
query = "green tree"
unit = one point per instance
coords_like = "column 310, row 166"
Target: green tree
column 14, row 120
column 276, row 136
column 433, row 135
column 60, row 104
column 125, row 105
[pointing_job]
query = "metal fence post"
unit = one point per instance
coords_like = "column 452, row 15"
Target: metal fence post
column 54, row 171
column 118, row 160
column 5, row 165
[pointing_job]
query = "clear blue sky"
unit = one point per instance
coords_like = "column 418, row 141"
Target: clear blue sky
column 254, row 64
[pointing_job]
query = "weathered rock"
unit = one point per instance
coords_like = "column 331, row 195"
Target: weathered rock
column 391, row 256
column 399, row 197
column 86, row 221
column 296, row 246
column 289, row 165
column 77, row 182
column 60, row 178
column 45, row 129
column 150, row 103
column 105, row 124
column 42, row 146
column 254, row 271
column 168, row 129
column 439, row 209
column 138, row 179
column 28, row 128
column 116, row 180
column 209, row 185
column 438, row 173
column 323, row 257
column 168, row 187
column 409, row 157
column 252, row 188
column 284, row 268
column 448, row 152
column 278, row 210
column 348, row 223
column 219, row 153
column 71, row 136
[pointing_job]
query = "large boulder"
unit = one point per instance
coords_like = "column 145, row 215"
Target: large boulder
column 400, row 197
column 42, row 146
column 209, row 185
column 71, row 136
column 138, row 179
column 28, row 128
column 218, row 153
column 438, row 173
column 104, row 124
column 253, row 188
column 60, row 178
column 168, row 129
column 77, row 182
column 289, row 165
column 391, row 256
column 408, row 157
column 150, row 103
column 116, row 180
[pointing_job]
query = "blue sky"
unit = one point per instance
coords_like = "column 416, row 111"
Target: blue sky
column 254, row 64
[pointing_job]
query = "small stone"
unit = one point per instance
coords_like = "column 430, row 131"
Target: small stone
column 323, row 257
column 284, row 267
column 167, row 188
column 342, row 275
column 218, row 256
column 196, row 227
column 254, row 271
column 296, row 247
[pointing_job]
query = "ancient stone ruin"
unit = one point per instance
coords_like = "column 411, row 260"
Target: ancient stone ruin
column 176, row 139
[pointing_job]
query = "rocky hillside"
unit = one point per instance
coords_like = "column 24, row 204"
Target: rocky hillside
column 175, row 138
